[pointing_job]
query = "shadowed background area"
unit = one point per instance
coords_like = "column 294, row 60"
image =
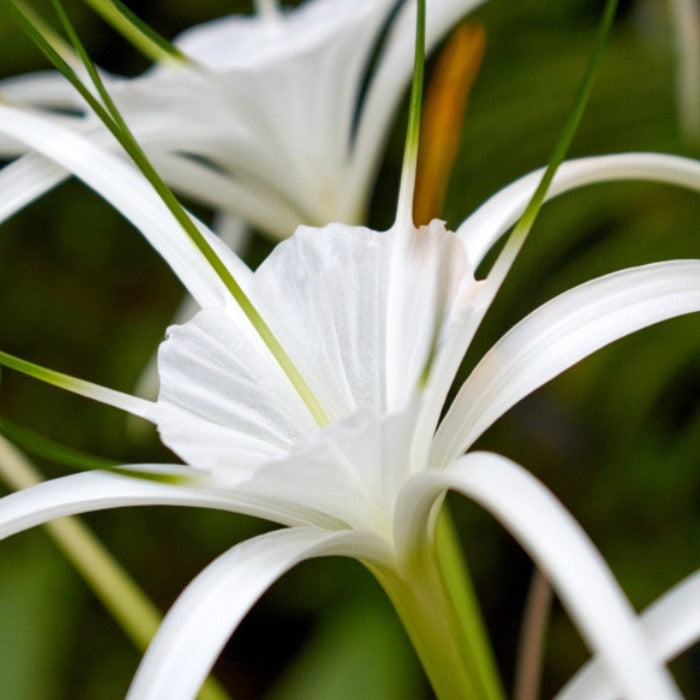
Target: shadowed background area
column 617, row 438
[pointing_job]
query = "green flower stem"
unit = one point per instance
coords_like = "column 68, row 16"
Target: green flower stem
column 422, row 598
column 461, row 590
column 118, row 592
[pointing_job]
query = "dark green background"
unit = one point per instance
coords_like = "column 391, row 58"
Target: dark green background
column 617, row 438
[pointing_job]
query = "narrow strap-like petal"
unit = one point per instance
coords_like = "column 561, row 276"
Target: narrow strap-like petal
column 41, row 89
column 672, row 624
column 559, row 334
column 127, row 190
column 26, row 179
column 211, row 607
column 96, row 490
column 493, row 218
column 560, row 548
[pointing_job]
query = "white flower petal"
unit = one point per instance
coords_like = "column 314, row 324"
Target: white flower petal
column 346, row 475
column 493, row 218
column 41, row 89
column 130, row 193
column 210, row 371
column 279, row 82
column 560, row 548
column 26, row 179
column 211, row 607
column 342, row 301
column 672, row 624
column 559, row 334
column 46, row 91
column 361, row 311
column 90, row 491
column 214, row 188
column 352, row 470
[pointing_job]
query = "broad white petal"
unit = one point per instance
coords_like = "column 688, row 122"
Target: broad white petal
column 559, row 334
column 127, row 190
column 361, row 311
column 389, row 81
column 90, row 491
column 279, row 81
column 560, row 548
column 342, row 301
column 196, row 628
column 493, row 218
column 212, row 372
column 672, row 624
column 361, row 314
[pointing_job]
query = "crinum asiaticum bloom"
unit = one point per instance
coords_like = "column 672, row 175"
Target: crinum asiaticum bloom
column 273, row 120
column 355, row 460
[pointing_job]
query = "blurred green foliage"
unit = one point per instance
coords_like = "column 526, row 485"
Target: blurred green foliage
column 617, row 438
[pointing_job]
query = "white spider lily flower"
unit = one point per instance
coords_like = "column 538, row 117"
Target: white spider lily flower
column 274, row 120
column 377, row 324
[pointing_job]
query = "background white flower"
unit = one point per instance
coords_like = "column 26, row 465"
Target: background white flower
column 274, row 120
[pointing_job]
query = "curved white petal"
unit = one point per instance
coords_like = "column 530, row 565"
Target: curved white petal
column 560, row 548
column 90, row 491
column 559, row 334
column 46, row 91
column 128, row 191
column 672, row 624
column 389, row 81
column 26, row 179
column 261, row 207
column 493, row 218
column 41, row 89
column 211, row 607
